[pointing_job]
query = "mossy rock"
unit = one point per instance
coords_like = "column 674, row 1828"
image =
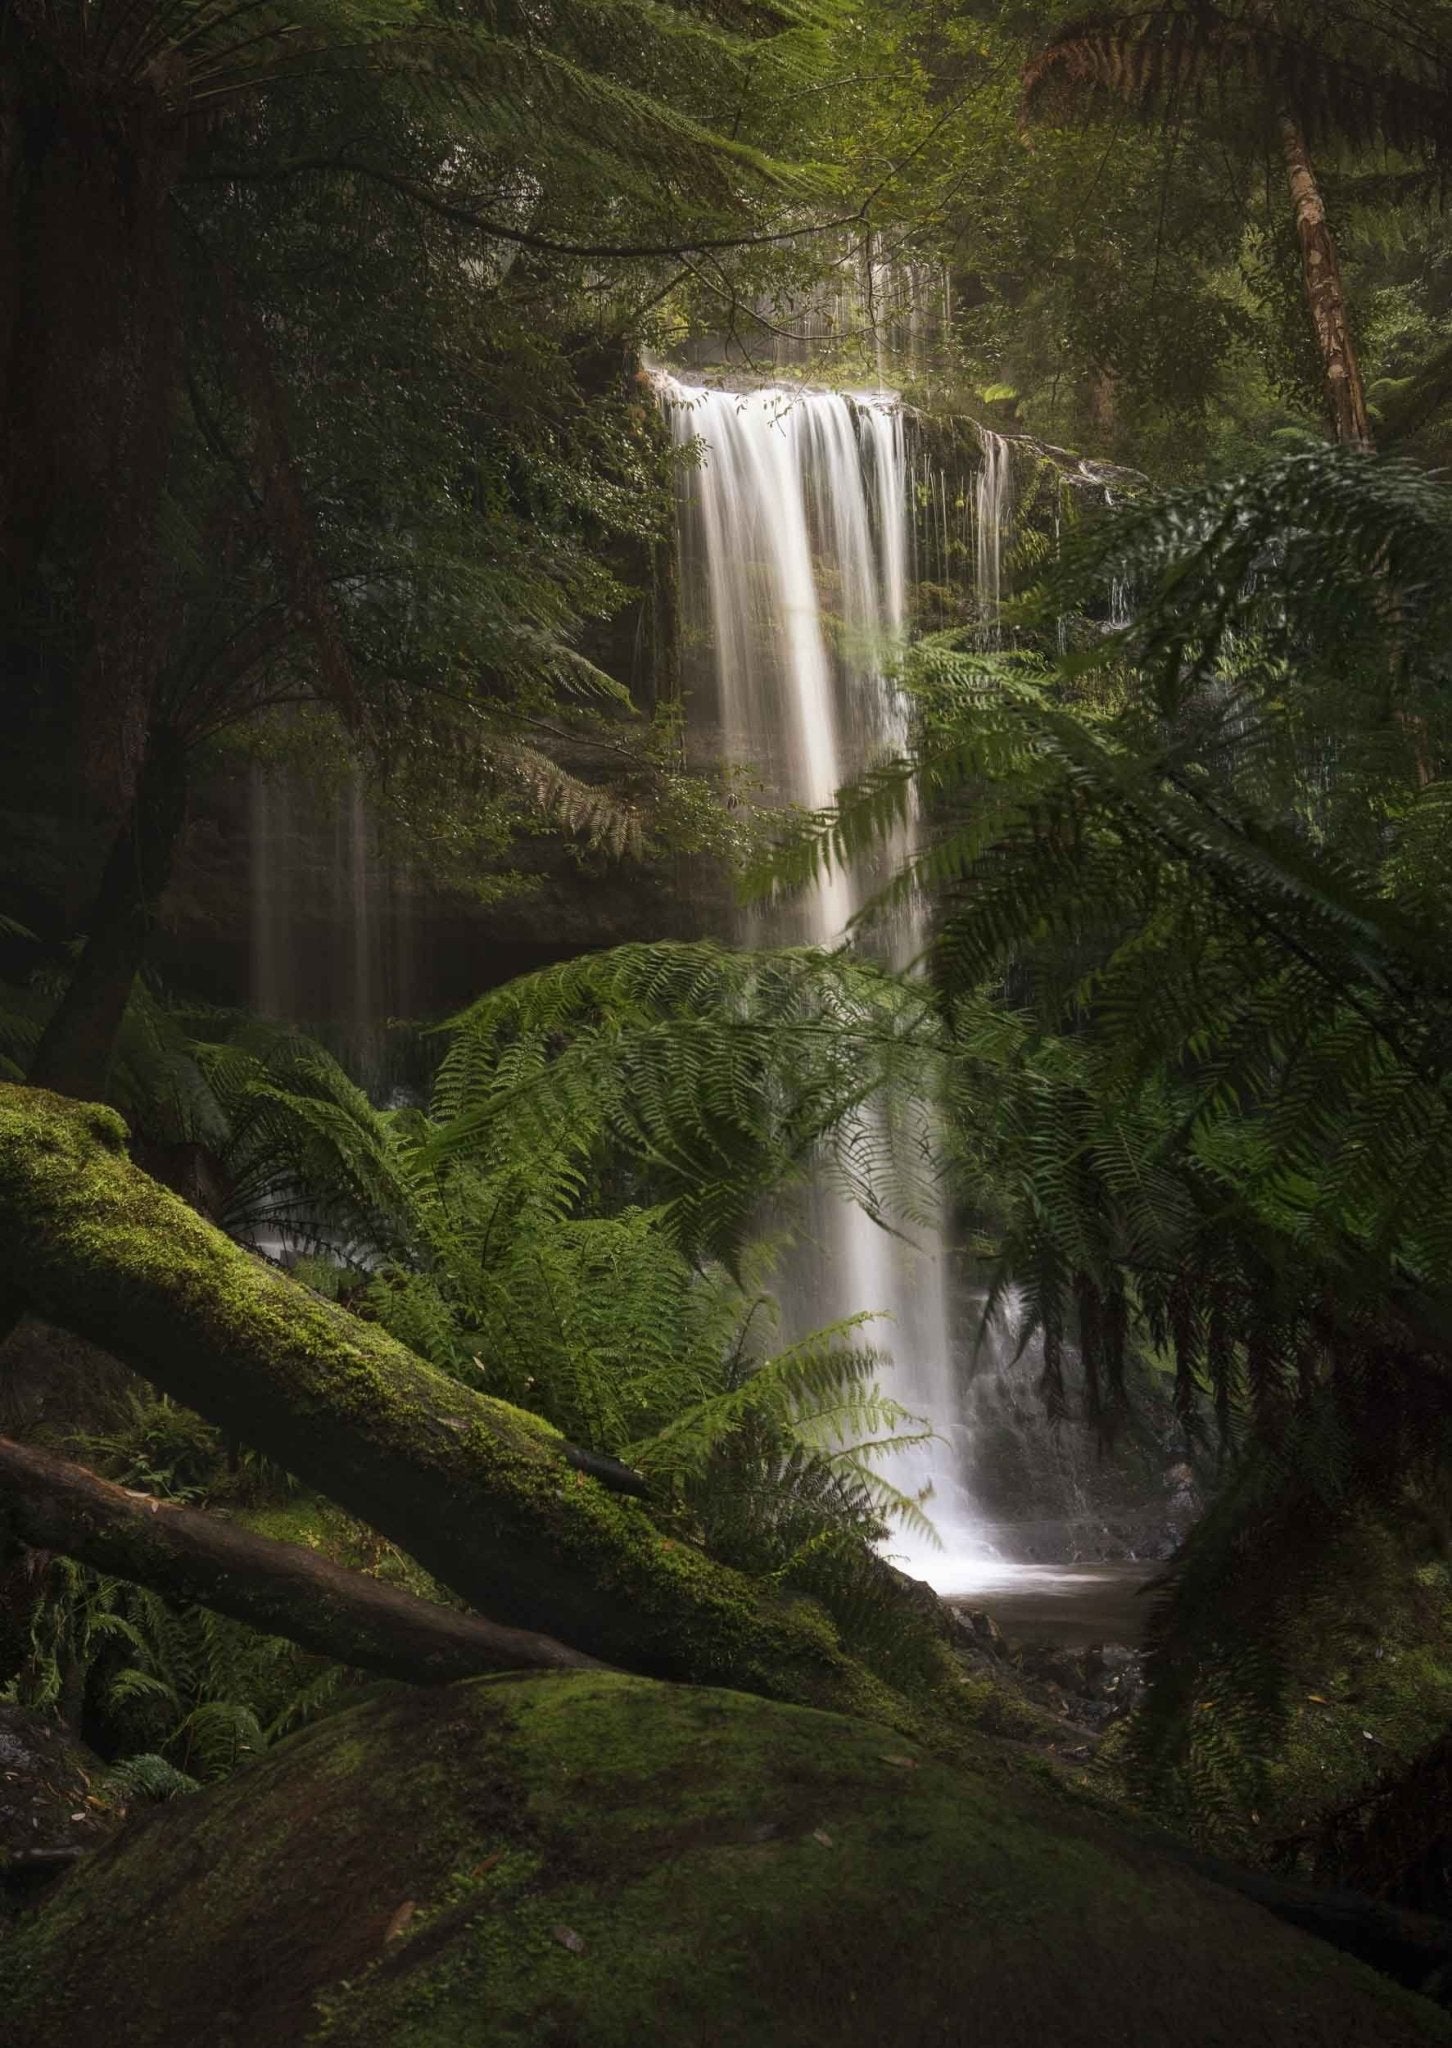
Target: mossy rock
column 595, row 1861
column 46, row 1775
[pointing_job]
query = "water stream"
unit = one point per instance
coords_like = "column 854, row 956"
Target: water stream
column 795, row 562
column 328, row 939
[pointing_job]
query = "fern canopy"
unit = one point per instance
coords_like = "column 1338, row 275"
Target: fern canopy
column 1192, row 876
column 574, row 1222
column 1351, row 75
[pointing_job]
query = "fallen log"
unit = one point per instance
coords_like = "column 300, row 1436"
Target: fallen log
column 482, row 1494
column 284, row 1589
column 1413, row 1948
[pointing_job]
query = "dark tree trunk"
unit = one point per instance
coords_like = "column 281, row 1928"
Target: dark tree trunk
column 90, row 363
column 74, row 1054
column 280, row 1588
column 1325, row 294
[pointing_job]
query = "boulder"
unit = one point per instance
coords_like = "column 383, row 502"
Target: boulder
column 46, row 1802
column 600, row 1861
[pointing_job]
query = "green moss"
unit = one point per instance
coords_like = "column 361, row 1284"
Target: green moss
column 599, row 1861
column 315, row 1524
column 469, row 1486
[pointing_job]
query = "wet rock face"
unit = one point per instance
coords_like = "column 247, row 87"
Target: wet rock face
column 46, row 1803
column 1050, row 1495
column 1087, row 1687
column 600, row 1861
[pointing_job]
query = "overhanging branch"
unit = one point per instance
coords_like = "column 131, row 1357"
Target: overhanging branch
column 470, row 217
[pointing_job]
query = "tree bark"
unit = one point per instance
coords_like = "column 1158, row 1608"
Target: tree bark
column 74, row 1054
column 1325, row 294
column 280, row 1588
column 481, row 1493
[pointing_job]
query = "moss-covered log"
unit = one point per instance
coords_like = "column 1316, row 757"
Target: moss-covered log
column 282, row 1588
column 478, row 1491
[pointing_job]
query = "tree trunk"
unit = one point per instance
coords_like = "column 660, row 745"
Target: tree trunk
column 1325, row 294
column 91, row 322
column 74, row 1055
column 481, row 1493
column 280, row 1588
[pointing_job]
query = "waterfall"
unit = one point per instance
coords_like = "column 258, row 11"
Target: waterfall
column 327, row 920
column 991, row 506
column 795, row 540
column 269, row 965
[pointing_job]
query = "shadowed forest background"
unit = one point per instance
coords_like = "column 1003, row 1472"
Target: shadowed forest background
column 725, row 1024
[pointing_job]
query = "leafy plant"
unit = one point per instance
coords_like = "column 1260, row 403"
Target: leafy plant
column 1192, row 879
column 573, row 1224
column 199, row 1692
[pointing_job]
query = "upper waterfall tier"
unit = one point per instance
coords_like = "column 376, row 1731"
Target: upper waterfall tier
column 794, row 548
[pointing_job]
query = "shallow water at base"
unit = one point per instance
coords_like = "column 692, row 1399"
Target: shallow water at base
column 1071, row 1604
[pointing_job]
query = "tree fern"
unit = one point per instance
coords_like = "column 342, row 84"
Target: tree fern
column 1356, row 75
column 1190, row 955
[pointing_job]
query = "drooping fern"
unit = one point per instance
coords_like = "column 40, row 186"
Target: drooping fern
column 1192, row 887
column 715, row 1076
column 1351, row 74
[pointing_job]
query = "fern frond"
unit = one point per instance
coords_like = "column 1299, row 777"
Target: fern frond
column 1345, row 78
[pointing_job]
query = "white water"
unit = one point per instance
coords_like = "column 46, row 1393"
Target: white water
column 325, row 922
column 992, row 491
column 795, row 541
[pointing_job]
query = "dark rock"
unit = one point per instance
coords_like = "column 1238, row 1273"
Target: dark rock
column 48, row 1813
column 956, row 1907
column 52, row 1380
column 972, row 1626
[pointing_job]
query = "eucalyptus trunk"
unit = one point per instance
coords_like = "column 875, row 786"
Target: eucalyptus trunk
column 1325, row 294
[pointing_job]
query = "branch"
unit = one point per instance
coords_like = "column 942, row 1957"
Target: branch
column 283, row 1589
column 469, row 217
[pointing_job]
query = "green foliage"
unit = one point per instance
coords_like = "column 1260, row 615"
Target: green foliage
column 569, row 1226
column 1366, row 78
column 1192, row 879
column 715, row 1077
column 149, row 1778
column 198, row 1692
column 555, row 1229
column 180, row 1694
column 336, row 431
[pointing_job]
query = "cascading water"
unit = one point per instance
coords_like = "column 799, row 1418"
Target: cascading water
column 795, row 553
column 321, row 900
column 992, row 491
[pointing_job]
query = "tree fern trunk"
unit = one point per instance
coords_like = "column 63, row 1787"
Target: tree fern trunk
column 1325, row 294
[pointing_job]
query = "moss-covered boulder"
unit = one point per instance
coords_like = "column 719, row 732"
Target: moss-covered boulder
column 597, row 1861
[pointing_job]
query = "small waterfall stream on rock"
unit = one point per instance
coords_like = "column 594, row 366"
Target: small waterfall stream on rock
column 331, row 942
column 992, row 505
column 795, row 540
